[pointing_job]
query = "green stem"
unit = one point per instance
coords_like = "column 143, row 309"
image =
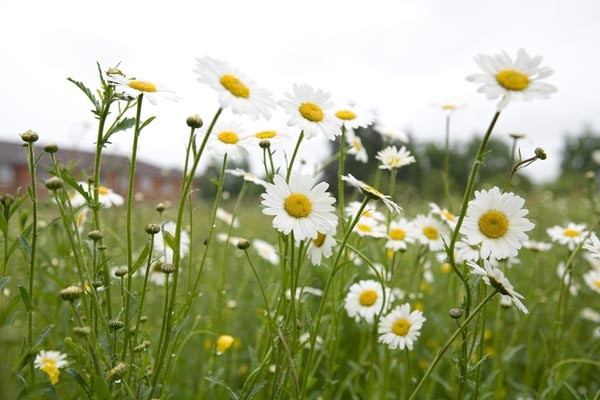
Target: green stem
column 223, row 272
column 341, row 165
column 447, row 163
column 290, row 167
column 34, row 234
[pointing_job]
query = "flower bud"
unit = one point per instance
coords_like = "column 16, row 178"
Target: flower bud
column 71, row 293
column 243, row 244
column 455, row 313
column 194, row 121
column 30, row 136
column 95, row 235
column 51, row 148
column 167, row 268
column 540, row 153
column 517, row 135
column 117, row 372
column 53, row 183
column 152, row 229
column 115, row 324
column 264, row 144
column 82, row 330
column 160, row 207
column 121, row 272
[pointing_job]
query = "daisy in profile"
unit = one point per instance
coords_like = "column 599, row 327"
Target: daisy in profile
column 391, row 135
column 399, row 234
column 266, row 251
column 537, row 246
column 232, row 240
column 106, row 197
column 571, row 235
column 161, row 247
column 401, row 327
column 132, row 88
column 495, row 278
column 247, row 176
column 321, row 247
column 309, row 111
column 226, row 217
column 593, row 246
column 444, row 214
column 372, row 192
column 496, row 220
column 300, row 207
column 50, row 362
column 370, row 211
column 275, row 136
column 353, row 117
column 302, row 290
column 448, row 108
column 227, row 138
column 512, row 80
column 392, row 158
column 592, row 279
column 365, row 300
column 236, row 90
column 356, row 147
column 431, row 232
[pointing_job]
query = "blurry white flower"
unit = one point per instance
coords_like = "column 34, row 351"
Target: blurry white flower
column 570, row 236
column 266, row 251
column 393, row 158
column 495, row 278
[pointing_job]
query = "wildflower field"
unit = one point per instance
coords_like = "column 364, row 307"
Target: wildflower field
column 294, row 286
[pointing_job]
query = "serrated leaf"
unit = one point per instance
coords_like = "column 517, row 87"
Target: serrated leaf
column 45, row 388
column 124, row 124
column 87, row 92
column 4, row 281
column 217, row 381
column 26, row 298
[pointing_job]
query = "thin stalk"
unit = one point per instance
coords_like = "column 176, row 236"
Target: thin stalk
column 290, row 167
column 33, row 247
column 341, row 165
column 223, row 272
column 143, row 295
column 264, row 296
column 447, row 163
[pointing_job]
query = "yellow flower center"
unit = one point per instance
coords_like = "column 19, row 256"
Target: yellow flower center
column 346, row 115
column 223, row 343
column 311, row 112
column 572, row 233
column 448, row 215
column 49, row 367
column 397, row 234
column 401, row 327
column 266, row 134
column 431, row 233
column 142, row 86
column 318, row 242
column 512, row 80
column 367, row 298
column 364, row 228
column 493, row 224
column 367, row 213
column 228, row 137
column 297, row 205
column 372, row 190
column 357, row 144
column 449, row 107
column 235, row 86
column 446, row 268
column 597, row 283
column 80, row 218
column 103, row 190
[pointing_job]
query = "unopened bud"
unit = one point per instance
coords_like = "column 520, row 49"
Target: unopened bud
column 264, row 144
column 540, row 153
column 152, row 229
column 194, row 121
column 115, row 324
column 51, row 148
column 53, row 183
column 121, row 272
column 95, row 235
column 167, row 268
column 455, row 313
column 82, row 330
column 71, row 293
column 160, row 207
column 243, row 244
column 516, row 135
column 30, row 136
column 117, row 373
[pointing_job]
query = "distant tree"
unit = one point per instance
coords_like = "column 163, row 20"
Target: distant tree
column 577, row 152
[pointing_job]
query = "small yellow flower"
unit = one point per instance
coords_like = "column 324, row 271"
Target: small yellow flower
column 224, row 342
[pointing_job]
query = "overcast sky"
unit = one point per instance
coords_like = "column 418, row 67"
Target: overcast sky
column 397, row 57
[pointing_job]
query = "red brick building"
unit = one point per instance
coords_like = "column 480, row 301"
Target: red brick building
column 151, row 182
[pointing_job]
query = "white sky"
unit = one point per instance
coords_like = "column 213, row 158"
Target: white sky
column 397, row 57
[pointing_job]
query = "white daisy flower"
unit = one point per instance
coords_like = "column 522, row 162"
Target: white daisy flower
column 593, row 246
column 495, row 278
column 304, row 340
column 50, row 362
column 369, row 227
column 235, row 89
column 369, row 211
column 537, row 246
column 308, row 109
column 132, row 88
column 495, row 220
column 570, row 236
column 156, row 275
column 266, row 251
column 592, row 278
column 227, row 218
column 568, row 281
column 372, row 192
column 81, row 218
column 106, row 196
column 513, row 80
column 448, row 108
column 391, row 135
column 227, row 138
column 365, row 300
column 303, row 290
column 353, row 117
column 590, row 315
column 356, row 147
column 392, row 158
column 247, row 176
column 400, row 232
column 431, row 232
column 161, row 247
column 232, row 240
column 444, row 214
column 321, row 247
column 376, row 269
column 275, row 136
column 300, row 206
column 467, row 252
column 401, row 327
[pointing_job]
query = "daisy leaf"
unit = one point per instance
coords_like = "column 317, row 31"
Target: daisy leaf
column 87, row 92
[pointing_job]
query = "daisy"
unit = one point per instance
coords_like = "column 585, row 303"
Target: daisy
column 372, row 192
column 303, row 290
column 512, row 80
column 235, row 89
column 467, row 252
column 308, row 109
column 496, row 221
column 448, row 108
column 401, row 327
column 161, row 247
column 369, row 211
column 248, row 176
column 356, row 147
column 232, row 240
column 226, row 138
column 227, row 218
column 353, row 117
column 132, row 88
column 392, row 158
column 571, row 236
column 321, row 247
column 592, row 278
column 365, row 300
column 391, row 135
column 266, row 251
column 156, row 275
column 444, row 214
column 274, row 136
column 369, row 227
column 379, row 270
column 50, row 362
column 593, row 246
column 431, row 232
column 537, row 246
column 106, row 197
column 495, row 278
column 400, row 232
column 300, row 206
